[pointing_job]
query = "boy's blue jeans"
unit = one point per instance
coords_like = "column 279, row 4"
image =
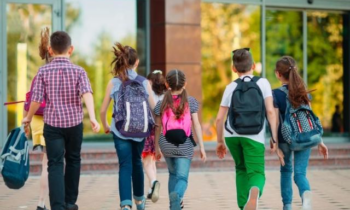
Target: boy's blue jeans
column 301, row 161
column 179, row 169
column 130, row 170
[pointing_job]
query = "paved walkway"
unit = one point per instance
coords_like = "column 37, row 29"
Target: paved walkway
column 211, row 190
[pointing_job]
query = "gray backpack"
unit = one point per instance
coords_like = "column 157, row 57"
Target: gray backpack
column 246, row 114
column 301, row 128
column 133, row 116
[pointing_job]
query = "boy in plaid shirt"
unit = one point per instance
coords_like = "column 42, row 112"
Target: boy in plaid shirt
column 62, row 84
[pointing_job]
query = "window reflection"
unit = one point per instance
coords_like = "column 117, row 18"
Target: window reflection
column 24, row 23
column 325, row 67
column 94, row 27
column 284, row 36
column 224, row 27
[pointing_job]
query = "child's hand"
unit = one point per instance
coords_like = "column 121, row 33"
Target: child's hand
column 26, row 121
column 107, row 128
column 203, row 154
column 158, row 154
column 27, row 130
column 273, row 146
column 95, row 125
column 280, row 156
column 323, row 150
column 221, row 150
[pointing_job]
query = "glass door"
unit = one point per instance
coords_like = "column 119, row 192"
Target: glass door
column 22, row 22
column 284, row 36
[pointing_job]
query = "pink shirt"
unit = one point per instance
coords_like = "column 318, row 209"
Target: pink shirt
column 63, row 84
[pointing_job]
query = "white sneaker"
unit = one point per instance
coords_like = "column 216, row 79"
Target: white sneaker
column 253, row 199
column 307, row 201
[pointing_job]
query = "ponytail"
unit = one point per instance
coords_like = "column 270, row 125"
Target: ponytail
column 125, row 57
column 44, row 44
column 297, row 92
column 176, row 80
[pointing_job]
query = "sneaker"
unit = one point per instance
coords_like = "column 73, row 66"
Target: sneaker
column 307, row 204
column 149, row 196
column 41, row 208
column 126, row 208
column 174, row 201
column 71, row 206
column 142, row 205
column 182, row 204
column 155, row 191
column 287, row 207
column 252, row 203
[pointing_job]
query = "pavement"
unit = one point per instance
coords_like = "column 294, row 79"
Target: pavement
column 206, row 191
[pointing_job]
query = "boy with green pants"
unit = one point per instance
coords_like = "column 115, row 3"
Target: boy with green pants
column 246, row 147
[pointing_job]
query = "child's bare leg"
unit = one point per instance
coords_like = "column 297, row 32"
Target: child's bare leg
column 43, row 182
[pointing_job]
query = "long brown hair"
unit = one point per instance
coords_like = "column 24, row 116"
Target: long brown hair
column 176, row 80
column 158, row 82
column 297, row 92
column 44, row 44
column 125, row 57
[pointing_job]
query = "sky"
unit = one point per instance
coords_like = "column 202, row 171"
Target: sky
column 117, row 17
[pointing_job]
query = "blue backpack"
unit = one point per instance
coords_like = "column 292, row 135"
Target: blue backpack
column 133, row 115
column 301, row 128
column 14, row 159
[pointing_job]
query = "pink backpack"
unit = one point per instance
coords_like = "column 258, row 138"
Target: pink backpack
column 177, row 131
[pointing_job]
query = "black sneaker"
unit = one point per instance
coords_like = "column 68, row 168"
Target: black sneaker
column 71, row 206
column 41, row 208
column 149, row 196
column 155, row 191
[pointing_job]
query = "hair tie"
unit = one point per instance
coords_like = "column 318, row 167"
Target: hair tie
column 157, row 72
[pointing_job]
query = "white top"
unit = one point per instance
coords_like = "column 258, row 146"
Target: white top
column 265, row 88
column 157, row 97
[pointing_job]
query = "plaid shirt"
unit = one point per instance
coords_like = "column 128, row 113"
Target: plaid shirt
column 62, row 84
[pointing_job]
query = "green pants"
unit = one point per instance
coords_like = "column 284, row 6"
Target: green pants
column 250, row 166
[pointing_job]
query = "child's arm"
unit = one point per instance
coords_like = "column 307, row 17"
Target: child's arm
column 221, row 147
column 89, row 102
column 198, row 133
column 279, row 152
column 272, row 118
column 104, row 107
column 156, row 137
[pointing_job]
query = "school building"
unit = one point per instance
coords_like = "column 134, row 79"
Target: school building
column 196, row 36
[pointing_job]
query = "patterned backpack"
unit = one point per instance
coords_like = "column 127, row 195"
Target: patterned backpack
column 177, row 131
column 301, row 128
column 133, row 116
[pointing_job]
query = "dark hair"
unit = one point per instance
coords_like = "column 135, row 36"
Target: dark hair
column 297, row 92
column 125, row 57
column 44, row 44
column 242, row 60
column 158, row 82
column 176, row 80
column 60, row 42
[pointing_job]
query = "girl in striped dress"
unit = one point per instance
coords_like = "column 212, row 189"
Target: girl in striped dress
column 176, row 114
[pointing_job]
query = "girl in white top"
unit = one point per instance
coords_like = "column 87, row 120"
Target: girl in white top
column 157, row 81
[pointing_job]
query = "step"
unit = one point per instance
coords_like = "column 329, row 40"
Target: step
column 104, row 154
column 212, row 163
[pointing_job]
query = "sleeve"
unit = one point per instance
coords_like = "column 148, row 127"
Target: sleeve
column 267, row 91
column 275, row 101
column 157, row 108
column 225, row 101
column 84, row 85
column 194, row 105
column 38, row 88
